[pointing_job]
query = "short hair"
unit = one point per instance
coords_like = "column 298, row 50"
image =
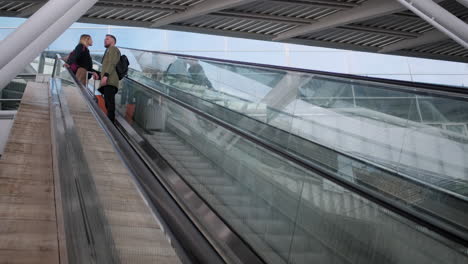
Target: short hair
column 84, row 38
column 113, row 37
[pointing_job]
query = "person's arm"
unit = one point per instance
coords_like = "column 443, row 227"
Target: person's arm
column 108, row 65
column 95, row 74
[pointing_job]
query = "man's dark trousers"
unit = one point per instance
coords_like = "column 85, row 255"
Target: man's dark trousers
column 109, row 92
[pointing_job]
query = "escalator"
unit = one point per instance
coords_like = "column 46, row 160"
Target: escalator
column 262, row 183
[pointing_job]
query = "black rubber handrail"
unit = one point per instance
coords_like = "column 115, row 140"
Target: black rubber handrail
column 405, row 85
column 437, row 225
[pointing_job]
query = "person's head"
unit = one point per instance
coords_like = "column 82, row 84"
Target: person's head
column 86, row 40
column 110, row 41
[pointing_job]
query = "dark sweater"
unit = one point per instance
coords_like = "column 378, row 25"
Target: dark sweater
column 81, row 57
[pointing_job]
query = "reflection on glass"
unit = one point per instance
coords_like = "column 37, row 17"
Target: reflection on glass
column 286, row 213
column 384, row 137
column 368, row 120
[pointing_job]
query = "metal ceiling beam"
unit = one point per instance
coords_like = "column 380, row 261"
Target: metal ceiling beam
column 426, row 38
column 440, row 18
column 203, row 8
column 291, row 20
column 318, row 3
column 124, row 3
column 382, row 31
column 368, row 10
column 8, row 13
column 137, row 8
column 115, row 22
column 263, row 17
column 304, row 21
column 29, row 11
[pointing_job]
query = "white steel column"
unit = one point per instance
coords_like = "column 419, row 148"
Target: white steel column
column 440, row 18
column 18, row 40
column 463, row 2
column 9, row 71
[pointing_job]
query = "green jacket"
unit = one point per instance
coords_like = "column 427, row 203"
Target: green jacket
column 110, row 60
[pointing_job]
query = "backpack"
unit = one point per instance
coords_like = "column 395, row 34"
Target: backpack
column 73, row 66
column 122, row 67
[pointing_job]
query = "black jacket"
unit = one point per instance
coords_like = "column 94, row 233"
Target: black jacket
column 81, row 57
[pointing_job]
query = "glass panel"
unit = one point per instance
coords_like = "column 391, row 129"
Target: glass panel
column 337, row 226
column 286, row 213
column 460, row 129
column 339, row 124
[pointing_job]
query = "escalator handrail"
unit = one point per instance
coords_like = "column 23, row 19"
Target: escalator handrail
column 407, row 86
column 436, row 225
